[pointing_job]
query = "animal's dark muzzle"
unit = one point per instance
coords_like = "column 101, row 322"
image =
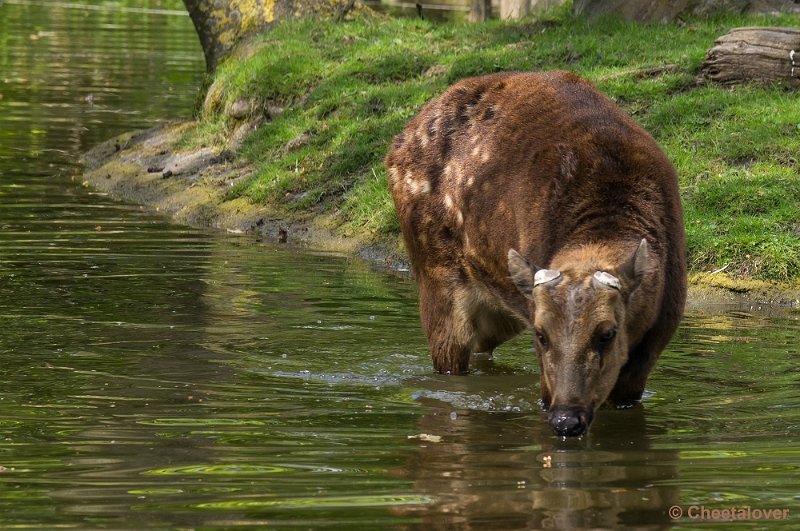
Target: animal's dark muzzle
column 571, row 421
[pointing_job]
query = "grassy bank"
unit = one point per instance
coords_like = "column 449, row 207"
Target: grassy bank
column 347, row 88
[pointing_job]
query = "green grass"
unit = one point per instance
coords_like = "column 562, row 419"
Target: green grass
column 349, row 87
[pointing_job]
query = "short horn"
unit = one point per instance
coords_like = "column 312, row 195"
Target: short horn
column 544, row 276
column 607, row 279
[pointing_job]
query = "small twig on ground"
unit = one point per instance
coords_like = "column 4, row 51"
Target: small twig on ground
column 720, row 270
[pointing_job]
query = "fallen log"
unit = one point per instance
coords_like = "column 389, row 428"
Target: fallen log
column 762, row 55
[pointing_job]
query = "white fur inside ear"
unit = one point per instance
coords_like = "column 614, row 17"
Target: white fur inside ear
column 545, row 275
column 607, row 279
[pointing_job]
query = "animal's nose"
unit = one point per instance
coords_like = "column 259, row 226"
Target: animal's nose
column 570, row 422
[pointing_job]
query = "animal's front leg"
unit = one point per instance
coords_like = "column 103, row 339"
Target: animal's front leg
column 448, row 334
column 633, row 375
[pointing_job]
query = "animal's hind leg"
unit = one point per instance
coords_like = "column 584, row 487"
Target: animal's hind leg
column 449, row 335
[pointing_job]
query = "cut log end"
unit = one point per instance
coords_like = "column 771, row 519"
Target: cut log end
column 754, row 55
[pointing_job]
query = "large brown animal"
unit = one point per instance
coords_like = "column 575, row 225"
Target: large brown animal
column 530, row 199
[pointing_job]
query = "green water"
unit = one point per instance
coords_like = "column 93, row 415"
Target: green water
column 155, row 376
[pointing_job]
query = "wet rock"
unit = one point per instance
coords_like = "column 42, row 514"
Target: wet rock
column 241, row 109
column 189, row 163
column 273, row 111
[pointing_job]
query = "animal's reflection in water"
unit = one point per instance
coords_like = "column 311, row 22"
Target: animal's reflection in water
column 503, row 470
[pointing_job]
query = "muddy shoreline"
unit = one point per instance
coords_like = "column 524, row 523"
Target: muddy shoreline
column 190, row 186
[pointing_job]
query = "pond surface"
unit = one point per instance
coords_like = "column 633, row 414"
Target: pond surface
column 155, row 376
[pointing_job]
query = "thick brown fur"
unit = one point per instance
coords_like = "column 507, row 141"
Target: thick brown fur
column 544, row 164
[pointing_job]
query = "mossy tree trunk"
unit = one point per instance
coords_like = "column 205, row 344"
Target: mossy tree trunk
column 220, row 24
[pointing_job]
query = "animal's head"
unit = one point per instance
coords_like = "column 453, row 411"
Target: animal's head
column 580, row 326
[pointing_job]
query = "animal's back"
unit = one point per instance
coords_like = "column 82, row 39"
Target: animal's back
column 534, row 159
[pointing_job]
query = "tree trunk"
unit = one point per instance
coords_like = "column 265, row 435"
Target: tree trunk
column 220, row 24
column 480, row 10
column 514, row 9
column 764, row 55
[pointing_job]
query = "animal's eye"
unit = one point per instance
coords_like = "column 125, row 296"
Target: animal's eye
column 605, row 337
column 542, row 339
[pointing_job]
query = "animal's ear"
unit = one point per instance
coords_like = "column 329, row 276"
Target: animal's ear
column 521, row 273
column 635, row 268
